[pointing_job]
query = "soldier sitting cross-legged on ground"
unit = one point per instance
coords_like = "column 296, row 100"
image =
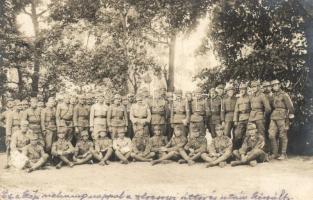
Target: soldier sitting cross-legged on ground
column 83, row 150
column 103, row 148
column 158, row 141
column 141, row 147
column 122, row 146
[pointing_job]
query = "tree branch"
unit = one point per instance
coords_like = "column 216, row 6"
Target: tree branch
column 42, row 12
column 24, row 10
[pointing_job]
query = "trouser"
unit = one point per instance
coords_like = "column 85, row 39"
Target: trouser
column 278, row 128
column 49, row 137
column 35, row 164
column 239, row 134
column 212, row 130
column 69, row 129
column 255, row 154
column 229, row 125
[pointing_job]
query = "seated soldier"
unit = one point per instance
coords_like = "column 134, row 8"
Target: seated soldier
column 219, row 150
column 158, row 141
column 103, row 148
column 62, row 149
column 172, row 148
column 141, row 147
column 251, row 150
column 195, row 146
column 83, row 150
column 122, row 146
column 20, row 138
column 35, row 154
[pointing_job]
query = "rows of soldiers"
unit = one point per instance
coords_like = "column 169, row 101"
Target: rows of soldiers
column 217, row 128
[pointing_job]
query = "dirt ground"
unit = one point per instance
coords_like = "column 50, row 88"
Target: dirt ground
column 291, row 179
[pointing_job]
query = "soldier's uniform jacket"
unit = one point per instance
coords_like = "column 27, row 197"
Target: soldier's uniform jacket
column 282, row 106
column 215, row 110
column 179, row 111
column 198, row 144
column 249, row 144
column 117, row 116
column 83, row 147
column 140, row 113
column 63, row 146
column 13, row 121
column 33, row 153
column 65, row 113
column 48, row 119
column 158, row 111
column 220, row 144
column 260, row 106
column 81, row 116
column 157, row 142
column 98, row 114
column 3, row 117
column 141, row 144
column 242, row 109
column 199, row 110
column 228, row 108
column 33, row 116
column 269, row 97
column 19, row 140
column 177, row 142
column 102, row 144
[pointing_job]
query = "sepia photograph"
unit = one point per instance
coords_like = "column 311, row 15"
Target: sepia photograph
column 156, row 99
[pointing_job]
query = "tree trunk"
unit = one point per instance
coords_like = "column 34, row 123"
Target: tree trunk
column 36, row 50
column 171, row 67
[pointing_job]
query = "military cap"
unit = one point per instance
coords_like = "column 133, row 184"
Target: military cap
column 266, row 83
column 130, row 95
column 255, row 83
column 251, row 126
column 24, row 122
column 212, row 90
column 178, row 92
column 229, row 87
column 179, row 127
column 102, row 130
column 195, row 128
column 117, row 96
column 219, row 127
column 274, row 82
column 139, row 96
column 156, row 127
column 33, row 137
column 84, row 133
column 243, row 86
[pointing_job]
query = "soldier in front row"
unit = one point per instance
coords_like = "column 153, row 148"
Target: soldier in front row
column 251, row 150
column 157, row 142
column 35, row 154
column 83, row 150
column 220, row 149
column 195, row 146
column 123, row 147
column 279, row 125
column 141, row 147
column 103, row 147
column 62, row 149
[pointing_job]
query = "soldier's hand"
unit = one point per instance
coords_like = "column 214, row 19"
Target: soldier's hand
column 291, row 116
column 7, row 141
column 76, row 130
column 223, row 123
column 91, row 129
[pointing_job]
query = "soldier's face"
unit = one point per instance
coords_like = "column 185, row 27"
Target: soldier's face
column 61, row 135
column 157, row 132
column 178, row 96
column 276, row 87
column 24, row 128
column 178, row 132
column 125, row 102
column 243, row 92
column 34, row 142
column 254, row 89
column 117, row 101
column 268, row 88
column 51, row 103
column 85, row 137
column 220, row 92
column 252, row 133
column 33, row 103
column 121, row 135
column 10, row 104
column 195, row 134
column 100, row 99
column 230, row 93
column 66, row 100
column 73, row 100
column 213, row 94
column 103, row 134
column 219, row 132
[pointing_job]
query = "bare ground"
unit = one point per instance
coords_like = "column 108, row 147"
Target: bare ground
column 295, row 176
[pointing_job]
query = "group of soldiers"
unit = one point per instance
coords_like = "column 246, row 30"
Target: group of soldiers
column 218, row 128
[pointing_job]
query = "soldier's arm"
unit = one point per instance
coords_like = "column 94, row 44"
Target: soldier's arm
column 75, row 116
column 109, row 117
column 260, row 144
column 148, row 148
column 179, row 145
column 236, row 114
column 25, row 116
column 54, row 149
column 134, row 147
column 211, row 148
column 187, row 111
column 131, row 114
column 92, row 116
column 8, row 124
column 223, row 110
column 187, row 145
column 229, row 147
column 125, row 115
column 57, row 115
column 172, row 113
column 25, row 151
column 42, row 119
column 97, row 146
column 288, row 103
column 149, row 114
column 266, row 103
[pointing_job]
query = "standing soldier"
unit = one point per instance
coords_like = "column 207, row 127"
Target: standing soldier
column 48, row 124
column 13, row 120
column 169, row 104
column 199, row 112
column 260, row 107
column 283, row 111
column 267, row 90
column 158, row 112
column 117, row 117
column 128, row 103
column 64, row 117
column 241, row 115
column 98, row 117
column 180, row 112
column 33, row 116
column 227, row 110
column 220, row 90
column 80, row 117
column 140, row 115
column 215, row 102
